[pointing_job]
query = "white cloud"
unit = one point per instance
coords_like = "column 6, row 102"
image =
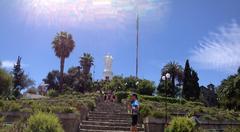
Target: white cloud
column 220, row 50
column 8, row 64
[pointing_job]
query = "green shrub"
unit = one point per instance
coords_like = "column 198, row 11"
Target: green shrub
column 1, row 105
column 231, row 129
column 19, row 125
column 10, row 97
column 43, row 122
column 52, row 93
column 90, row 104
column 181, row 124
column 145, row 110
column 1, row 121
column 69, row 110
column 121, row 95
column 159, row 114
column 27, row 110
column 14, row 107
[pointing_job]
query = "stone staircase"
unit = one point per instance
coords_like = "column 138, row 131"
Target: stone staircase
column 108, row 117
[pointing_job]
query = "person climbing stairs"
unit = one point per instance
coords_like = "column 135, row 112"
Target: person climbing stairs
column 108, row 117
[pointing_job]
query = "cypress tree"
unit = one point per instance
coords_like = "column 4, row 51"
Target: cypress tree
column 18, row 78
column 191, row 89
column 195, row 88
column 187, row 85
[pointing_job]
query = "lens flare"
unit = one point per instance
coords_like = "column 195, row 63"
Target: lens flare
column 77, row 12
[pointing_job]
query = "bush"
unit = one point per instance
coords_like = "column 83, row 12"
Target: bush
column 6, row 82
column 43, row 122
column 90, row 104
column 181, row 124
column 231, row 129
column 1, row 121
column 145, row 110
column 121, row 95
column 69, row 110
column 14, row 107
column 1, row 104
column 159, row 114
column 52, row 93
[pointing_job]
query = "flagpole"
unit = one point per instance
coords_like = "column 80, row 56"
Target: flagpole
column 137, row 45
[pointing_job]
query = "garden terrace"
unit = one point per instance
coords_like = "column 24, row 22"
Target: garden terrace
column 155, row 106
column 66, row 107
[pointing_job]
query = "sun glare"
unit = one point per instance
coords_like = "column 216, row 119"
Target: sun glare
column 73, row 12
column 101, row 2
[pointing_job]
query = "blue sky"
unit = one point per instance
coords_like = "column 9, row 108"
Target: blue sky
column 206, row 32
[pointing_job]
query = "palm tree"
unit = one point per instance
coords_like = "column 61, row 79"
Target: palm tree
column 86, row 61
column 176, row 72
column 63, row 44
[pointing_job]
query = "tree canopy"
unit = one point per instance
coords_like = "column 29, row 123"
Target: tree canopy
column 6, row 82
column 229, row 92
column 176, row 74
column 63, row 44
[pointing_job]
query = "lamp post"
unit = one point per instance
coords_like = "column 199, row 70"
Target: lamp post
column 181, row 87
column 165, row 78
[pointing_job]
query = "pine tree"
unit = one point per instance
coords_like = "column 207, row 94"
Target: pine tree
column 18, row 78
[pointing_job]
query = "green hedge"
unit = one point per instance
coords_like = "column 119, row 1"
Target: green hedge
column 163, row 99
column 60, row 104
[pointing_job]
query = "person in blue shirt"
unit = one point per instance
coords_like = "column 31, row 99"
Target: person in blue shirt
column 135, row 112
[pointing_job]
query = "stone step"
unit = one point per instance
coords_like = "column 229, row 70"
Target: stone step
column 98, row 127
column 106, row 123
column 104, row 113
column 89, row 130
column 110, row 116
column 110, row 106
column 111, row 120
column 107, row 118
column 110, row 109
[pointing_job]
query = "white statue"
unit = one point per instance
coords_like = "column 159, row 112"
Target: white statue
column 108, row 74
